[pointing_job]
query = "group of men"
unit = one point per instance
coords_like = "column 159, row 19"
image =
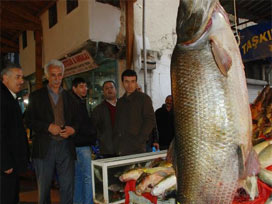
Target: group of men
column 63, row 131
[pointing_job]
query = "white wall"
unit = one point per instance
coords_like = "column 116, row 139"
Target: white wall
column 90, row 20
column 160, row 30
column 27, row 55
column 71, row 30
column 104, row 22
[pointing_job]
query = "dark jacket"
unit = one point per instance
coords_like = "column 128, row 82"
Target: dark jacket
column 134, row 122
column 14, row 146
column 39, row 115
column 165, row 124
column 86, row 134
column 102, row 121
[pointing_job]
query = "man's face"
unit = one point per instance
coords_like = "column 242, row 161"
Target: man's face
column 81, row 90
column 130, row 84
column 109, row 91
column 13, row 80
column 54, row 76
column 169, row 102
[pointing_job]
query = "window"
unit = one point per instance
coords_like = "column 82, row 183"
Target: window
column 24, row 38
column 71, row 5
column 52, row 14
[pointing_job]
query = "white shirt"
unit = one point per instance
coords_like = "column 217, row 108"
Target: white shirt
column 111, row 102
column 13, row 94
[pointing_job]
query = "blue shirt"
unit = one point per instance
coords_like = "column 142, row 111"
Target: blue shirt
column 54, row 96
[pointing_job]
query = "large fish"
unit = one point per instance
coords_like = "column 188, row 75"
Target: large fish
column 211, row 109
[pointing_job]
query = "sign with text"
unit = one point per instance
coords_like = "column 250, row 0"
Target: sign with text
column 78, row 63
column 256, row 42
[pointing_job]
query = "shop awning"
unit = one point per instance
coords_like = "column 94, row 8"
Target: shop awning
column 256, row 42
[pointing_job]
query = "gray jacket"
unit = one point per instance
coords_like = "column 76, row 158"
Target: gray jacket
column 102, row 122
column 134, row 122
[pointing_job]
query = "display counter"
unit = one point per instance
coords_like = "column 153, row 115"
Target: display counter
column 107, row 188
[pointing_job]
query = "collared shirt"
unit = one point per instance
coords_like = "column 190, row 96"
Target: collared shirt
column 113, row 104
column 54, row 96
column 13, row 94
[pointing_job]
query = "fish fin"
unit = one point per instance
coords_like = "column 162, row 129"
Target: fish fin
column 252, row 164
column 248, row 166
column 171, row 157
column 241, row 162
column 221, row 56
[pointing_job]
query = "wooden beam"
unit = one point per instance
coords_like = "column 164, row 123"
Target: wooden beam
column 38, row 54
column 8, row 42
column 50, row 3
column 18, row 26
column 129, row 33
column 21, row 12
column 8, row 50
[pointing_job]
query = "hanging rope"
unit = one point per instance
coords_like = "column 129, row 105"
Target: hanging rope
column 235, row 22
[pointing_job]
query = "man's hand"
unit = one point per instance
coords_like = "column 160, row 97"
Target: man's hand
column 67, row 131
column 54, row 129
column 9, row 171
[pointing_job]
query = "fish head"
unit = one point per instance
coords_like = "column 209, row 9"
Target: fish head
column 194, row 16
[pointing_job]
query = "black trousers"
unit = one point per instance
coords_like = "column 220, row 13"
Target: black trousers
column 9, row 188
column 60, row 158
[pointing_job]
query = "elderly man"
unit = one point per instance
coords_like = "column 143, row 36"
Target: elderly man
column 51, row 114
column 103, row 117
column 14, row 148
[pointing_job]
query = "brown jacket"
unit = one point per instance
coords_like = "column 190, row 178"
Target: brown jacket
column 134, row 122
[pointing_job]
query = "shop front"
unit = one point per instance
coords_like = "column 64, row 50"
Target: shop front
column 256, row 52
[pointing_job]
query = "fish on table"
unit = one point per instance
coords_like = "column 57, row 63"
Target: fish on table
column 149, row 181
column 212, row 116
column 164, row 185
column 265, row 156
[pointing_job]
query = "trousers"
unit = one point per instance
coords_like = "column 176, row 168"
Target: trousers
column 58, row 158
column 83, row 193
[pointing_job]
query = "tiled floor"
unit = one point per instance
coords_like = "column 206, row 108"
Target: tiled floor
column 29, row 193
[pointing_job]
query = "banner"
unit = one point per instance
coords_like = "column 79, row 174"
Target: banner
column 256, row 42
column 78, row 63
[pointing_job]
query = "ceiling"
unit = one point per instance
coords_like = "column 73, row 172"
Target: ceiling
column 20, row 15
column 253, row 10
column 17, row 16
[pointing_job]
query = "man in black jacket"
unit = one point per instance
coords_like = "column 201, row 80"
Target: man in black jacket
column 134, row 119
column 14, row 147
column 83, row 140
column 165, row 123
column 52, row 116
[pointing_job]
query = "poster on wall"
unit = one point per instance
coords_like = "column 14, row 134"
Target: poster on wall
column 78, row 63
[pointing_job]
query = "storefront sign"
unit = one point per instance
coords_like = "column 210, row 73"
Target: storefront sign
column 256, row 42
column 78, row 63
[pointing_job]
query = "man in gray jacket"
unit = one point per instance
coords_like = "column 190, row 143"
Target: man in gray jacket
column 134, row 119
column 103, row 117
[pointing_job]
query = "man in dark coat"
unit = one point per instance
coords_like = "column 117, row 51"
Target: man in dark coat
column 14, row 147
column 165, row 123
column 52, row 116
column 85, row 137
column 103, row 117
column 135, row 118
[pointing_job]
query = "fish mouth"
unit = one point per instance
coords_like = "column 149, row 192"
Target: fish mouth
column 194, row 21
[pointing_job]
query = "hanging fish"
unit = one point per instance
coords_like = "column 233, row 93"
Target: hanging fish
column 211, row 109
